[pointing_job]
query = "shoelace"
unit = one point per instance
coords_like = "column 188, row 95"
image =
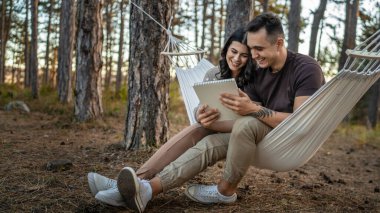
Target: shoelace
column 111, row 183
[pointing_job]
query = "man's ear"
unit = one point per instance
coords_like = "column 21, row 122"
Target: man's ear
column 280, row 42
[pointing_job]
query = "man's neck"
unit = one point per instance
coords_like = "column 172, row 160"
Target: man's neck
column 281, row 61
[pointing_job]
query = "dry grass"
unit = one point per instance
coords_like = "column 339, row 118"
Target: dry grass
column 344, row 175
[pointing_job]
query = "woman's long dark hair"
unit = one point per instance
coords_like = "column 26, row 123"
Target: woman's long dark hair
column 246, row 72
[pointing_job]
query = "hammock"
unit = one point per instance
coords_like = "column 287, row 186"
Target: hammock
column 295, row 140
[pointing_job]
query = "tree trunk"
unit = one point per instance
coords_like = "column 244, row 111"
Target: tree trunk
column 45, row 78
column 265, row 5
column 352, row 8
column 88, row 100
column 33, row 51
column 373, row 104
column 213, row 34
column 196, row 6
column 294, row 18
column 221, row 25
column 65, row 50
column 148, row 76
column 238, row 12
column 204, row 19
column 121, row 45
column 318, row 16
column 6, row 20
column 109, row 29
column 26, row 50
column 2, row 44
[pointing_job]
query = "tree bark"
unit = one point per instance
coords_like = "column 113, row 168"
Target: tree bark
column 45, row 78
column 352, row 8
column 2, row 40
column 26, row 43
column 121, row 46
column 65, row 50
column 213, row 58
column 204, row 19
column 373, row 104
column 238, row 12
column 265, row 5
column 6, row 20
column 221, row 25
column 148, row 76
column 108, row 50
column 318, row 16
column 196, row 6
column 88, row 100
column 294, row 18
column 33, row 51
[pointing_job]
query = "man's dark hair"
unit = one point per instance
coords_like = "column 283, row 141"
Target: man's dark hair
column 271, row 22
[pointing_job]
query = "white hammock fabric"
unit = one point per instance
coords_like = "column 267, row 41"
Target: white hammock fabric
column 292, row 143
column 187, row 78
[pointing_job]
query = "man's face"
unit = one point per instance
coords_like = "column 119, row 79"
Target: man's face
column 263, row 51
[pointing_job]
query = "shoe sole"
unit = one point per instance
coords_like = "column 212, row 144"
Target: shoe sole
column 129, row 188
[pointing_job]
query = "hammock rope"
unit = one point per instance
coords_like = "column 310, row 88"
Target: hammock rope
column 180, row 53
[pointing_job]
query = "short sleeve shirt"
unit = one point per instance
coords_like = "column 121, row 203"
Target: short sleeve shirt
column 300, row 76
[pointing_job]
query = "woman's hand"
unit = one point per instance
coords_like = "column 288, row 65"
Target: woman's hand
column 206, row 115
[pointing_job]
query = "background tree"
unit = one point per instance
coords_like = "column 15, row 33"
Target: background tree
column 2, row 42
column 67, row 34
column 88, row 100
column 237, row 15
column 49, row 9
column 26, row 46
column 318, row 16
column 121, row 46
column 148, row 76
column 294, row 19
column 350, row 24
column 33, row 59
column 109, row 38
column 5, row 26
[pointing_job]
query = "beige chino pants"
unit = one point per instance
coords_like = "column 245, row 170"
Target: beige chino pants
column 172, row 149
column 237, row 147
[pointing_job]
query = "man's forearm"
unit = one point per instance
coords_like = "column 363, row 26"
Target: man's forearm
column 269, row 117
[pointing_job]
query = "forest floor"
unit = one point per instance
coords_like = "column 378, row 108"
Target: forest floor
column 343, row 176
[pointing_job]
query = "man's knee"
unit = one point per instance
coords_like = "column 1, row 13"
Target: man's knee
column 246, row 123
column 250, row 127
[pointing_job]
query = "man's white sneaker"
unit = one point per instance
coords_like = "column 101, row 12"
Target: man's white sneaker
column 111, row 197
column 136, row 192
column 98, row 182
column 208, row 194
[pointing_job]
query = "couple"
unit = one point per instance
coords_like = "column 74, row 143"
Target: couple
column 280, row 83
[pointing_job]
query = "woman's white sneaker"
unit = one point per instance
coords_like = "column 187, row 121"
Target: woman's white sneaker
column 98, row 182
column 111, row 197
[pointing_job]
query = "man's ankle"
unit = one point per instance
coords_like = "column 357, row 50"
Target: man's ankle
column 226, row 189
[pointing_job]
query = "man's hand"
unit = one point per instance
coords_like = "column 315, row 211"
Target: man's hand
column 241, row 104
column 206, row 115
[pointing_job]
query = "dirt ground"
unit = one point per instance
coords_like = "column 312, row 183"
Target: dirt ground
column 344, row 175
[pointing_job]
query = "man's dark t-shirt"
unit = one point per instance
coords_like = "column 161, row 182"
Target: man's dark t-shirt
column 300, row 76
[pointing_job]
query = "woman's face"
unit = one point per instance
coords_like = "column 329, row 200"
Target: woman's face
column 237, row 57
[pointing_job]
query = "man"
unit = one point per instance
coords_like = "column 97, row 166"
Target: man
column 283, row 81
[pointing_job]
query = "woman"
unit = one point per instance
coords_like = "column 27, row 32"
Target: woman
column 235, row 63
